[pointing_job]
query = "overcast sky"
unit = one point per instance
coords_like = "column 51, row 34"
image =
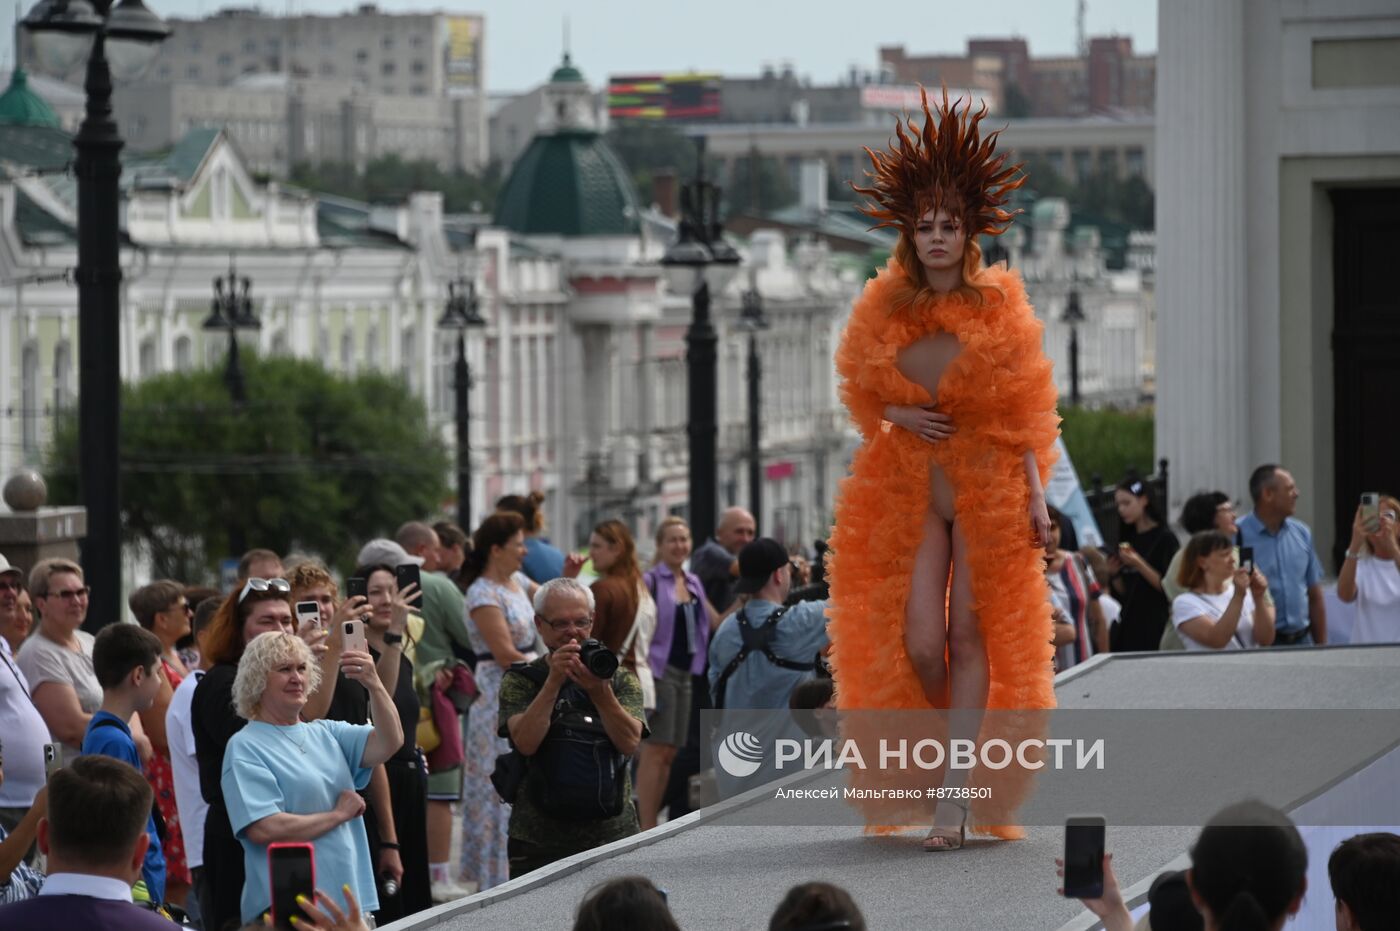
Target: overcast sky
column 821, row 39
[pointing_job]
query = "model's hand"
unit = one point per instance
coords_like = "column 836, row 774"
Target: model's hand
column 573, row 565
column 924, row 422
column 1040, row 522
column 560, row 661
column 316, row 637
column 350, row 609
column 325, row 915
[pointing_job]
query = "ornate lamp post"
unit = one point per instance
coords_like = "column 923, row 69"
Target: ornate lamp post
column 232, row 310
column 752, row 319
column 116, row 42
column 460, row 314
column 1074, row 316
column 699, row 262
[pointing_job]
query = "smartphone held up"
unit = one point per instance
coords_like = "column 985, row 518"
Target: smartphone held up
column 1084, row 850
column 292, row 873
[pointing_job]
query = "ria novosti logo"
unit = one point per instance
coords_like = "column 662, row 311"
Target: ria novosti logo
column 740, row 755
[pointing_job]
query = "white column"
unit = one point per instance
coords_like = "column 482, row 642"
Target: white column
column 1202, row 339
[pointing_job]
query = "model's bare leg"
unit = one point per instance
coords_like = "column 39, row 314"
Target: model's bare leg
column 969, row 681
column 925, row 621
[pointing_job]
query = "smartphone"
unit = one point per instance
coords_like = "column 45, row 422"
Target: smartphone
column 1247, row 559
column 409, row 574
column 1084, row 849
column 53, row 760
column 308, row 612
column 292, row 872
column 356, row 586
column 1371, row 511
column 354, row 636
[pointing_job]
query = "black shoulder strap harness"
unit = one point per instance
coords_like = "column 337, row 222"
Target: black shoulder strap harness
column 756, row 639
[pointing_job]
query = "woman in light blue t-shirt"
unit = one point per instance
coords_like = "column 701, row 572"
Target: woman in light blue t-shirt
column 288, row 781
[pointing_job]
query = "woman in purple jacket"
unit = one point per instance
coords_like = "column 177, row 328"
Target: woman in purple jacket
column 678, row 650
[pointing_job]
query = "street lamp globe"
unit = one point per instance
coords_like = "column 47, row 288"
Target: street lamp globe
column 63, row 32
column 463, row 309
column 134, row 35
column 684, row 262
column 724, row 264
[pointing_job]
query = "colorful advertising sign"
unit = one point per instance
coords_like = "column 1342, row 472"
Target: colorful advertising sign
column 664, row 97
column 462, row 53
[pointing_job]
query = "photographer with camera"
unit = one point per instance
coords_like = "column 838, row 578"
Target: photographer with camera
column 559, row 712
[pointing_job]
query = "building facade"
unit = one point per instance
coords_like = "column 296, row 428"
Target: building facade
column 346, row 88
column 580, row 372
column 1278, row 184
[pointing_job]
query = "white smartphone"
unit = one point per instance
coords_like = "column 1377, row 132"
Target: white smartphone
column 53, row 760
column 354, row 637
column 1371, row 511
column 308, row 613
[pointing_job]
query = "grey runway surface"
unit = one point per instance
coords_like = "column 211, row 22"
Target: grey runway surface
column 731, row 877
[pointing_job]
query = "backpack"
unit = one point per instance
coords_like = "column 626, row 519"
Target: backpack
column 576, row 774
column 756, row 639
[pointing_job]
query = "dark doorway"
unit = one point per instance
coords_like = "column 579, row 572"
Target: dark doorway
column 1365, row 349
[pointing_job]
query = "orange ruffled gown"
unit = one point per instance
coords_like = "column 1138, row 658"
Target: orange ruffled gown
column 1002, row 400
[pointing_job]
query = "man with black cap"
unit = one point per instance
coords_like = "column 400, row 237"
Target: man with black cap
column 763, row 650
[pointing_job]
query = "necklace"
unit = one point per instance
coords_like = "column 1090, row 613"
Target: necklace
column 286, row 731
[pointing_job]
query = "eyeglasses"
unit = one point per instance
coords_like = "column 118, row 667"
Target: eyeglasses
column 264, row 585
column 8, row 586
column 557, row 626
column 72, row 594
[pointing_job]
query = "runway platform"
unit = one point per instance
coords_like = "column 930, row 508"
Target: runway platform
column 723, row 875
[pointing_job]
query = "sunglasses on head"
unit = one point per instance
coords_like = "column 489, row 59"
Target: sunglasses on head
column 264, row 585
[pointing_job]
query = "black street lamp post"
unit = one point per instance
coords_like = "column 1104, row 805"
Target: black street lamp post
column 753, row 320
column 232, row 310
column 461, row 314
column 699, row 262
column 1074, row 316
column 118, row 42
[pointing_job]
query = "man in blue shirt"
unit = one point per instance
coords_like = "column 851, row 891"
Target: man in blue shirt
column 1284, row 552
column 799, row 636
column 124, row 658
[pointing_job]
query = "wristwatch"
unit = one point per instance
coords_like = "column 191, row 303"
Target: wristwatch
column 391, row 638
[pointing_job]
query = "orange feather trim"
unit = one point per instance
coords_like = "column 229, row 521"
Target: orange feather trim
column 1001, row 397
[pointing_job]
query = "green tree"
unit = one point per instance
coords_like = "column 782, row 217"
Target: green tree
column 1109, row 442
column 311, row 462
column 649, row 146
column 1017, row 105
column 771, row 186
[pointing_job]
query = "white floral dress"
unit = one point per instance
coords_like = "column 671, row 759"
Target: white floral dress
column 484, row 815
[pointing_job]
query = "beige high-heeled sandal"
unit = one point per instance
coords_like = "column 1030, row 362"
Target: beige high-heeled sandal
column 951, row 838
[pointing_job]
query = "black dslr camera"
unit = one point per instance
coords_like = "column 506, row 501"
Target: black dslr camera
column 600, row 661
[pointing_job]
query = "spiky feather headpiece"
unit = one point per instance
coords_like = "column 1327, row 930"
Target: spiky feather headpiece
column 945, row 164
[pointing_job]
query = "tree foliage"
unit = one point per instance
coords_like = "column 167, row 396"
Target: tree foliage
column 390, row 179
column 1102, row 194
column 311, row 462
column 1109, row 442
column 650, row 146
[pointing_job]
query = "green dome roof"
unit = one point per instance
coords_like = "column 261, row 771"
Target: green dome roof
column 566, row 73
column 20, row 106
column 569, row 183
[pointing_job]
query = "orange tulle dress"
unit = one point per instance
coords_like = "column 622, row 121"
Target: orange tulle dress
column 1002, row 400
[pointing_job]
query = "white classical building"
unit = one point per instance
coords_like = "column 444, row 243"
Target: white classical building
column 580, row 381
column 1278, row 184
